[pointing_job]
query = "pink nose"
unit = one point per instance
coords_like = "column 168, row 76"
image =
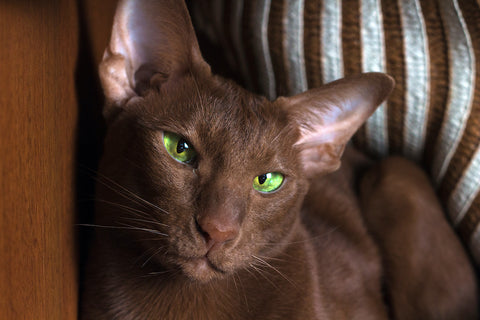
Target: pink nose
column 217, row 229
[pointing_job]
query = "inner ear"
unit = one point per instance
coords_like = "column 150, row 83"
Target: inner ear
column 327, row 117
column 146, row 76
column 151, row 40
column 322, row 158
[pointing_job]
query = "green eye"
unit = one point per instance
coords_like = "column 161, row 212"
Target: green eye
column 179, row 148
column 268, row 182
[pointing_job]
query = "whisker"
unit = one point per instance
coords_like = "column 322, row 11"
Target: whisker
column 156, row 273
column 124, row 227
column 141, row 257
column 261, row 272
column 145, row 229
column 148, row 239
column 119, row 192
column 150, row 258
column 122, row 206
column 243, row 290
column 235, row 283
column 146, row 221
column 129, row 193
column 141, row 214
column 251, row 273
column 103, row 179
column 171, row 273
column 273, row 258
column 273, row 268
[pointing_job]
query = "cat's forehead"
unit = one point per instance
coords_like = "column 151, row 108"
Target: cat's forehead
column 223, row 118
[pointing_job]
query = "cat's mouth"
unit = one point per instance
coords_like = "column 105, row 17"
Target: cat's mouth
column 206, row 261
column 201, row 268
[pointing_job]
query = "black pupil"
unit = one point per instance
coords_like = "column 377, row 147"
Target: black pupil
column 262, row 178
column 182, row 146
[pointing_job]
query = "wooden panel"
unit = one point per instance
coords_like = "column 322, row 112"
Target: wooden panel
column 99, row 20
column 38, row 110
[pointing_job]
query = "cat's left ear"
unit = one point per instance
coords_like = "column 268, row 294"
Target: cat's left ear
column 152, row 40
column 328, row 117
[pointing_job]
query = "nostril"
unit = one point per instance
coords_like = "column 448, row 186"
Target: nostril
column 209, row 242
column 202, row 232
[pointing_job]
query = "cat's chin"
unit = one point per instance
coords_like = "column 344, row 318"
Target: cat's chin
column 201, row 269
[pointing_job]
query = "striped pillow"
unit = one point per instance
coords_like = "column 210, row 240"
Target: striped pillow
column 430, row 47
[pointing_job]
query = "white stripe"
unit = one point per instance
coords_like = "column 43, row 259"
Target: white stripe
column 460, row 95
column 373, row 59
column 466, row 190
column 237, row 32
column 295, row 68
column 261, row 49
column 331, row 35
column 417, row 78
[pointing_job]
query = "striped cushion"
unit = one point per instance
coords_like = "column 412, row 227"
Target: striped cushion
column 283, row 47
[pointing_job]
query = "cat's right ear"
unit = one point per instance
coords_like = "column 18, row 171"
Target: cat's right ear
column 151, row 39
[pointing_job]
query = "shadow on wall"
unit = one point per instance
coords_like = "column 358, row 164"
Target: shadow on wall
column 90, row 135
column 212, row 52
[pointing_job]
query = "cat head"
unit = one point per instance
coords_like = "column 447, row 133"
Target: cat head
column 198, row 173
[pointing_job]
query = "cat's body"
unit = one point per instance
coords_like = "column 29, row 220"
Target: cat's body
column 328, row 269
column 215, row 203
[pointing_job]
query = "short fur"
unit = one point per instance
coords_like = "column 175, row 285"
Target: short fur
column 196, row 241
column 416, row 265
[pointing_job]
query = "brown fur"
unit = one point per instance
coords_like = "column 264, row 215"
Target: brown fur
column 233, row 142
column 196, row 241
column 427, row 272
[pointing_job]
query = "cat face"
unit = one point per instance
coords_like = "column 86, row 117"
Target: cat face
column 198, row 174
column 207, row 208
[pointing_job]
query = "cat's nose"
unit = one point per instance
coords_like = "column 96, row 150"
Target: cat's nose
column 217, row 230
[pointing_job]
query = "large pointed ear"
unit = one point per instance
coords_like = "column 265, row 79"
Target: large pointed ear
column 327, row 117
column 151, row 39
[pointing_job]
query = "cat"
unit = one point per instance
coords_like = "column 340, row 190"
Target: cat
column 216, row 203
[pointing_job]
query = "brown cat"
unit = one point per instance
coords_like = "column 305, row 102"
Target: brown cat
column 215, row 203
